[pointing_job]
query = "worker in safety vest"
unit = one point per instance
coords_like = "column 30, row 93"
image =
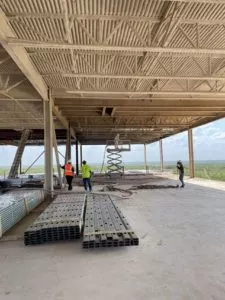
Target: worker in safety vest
column 86, row 175
column 69, row 173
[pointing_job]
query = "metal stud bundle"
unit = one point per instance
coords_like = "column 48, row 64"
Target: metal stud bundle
column 14, row 206
column 62, row 220
column 105, row 225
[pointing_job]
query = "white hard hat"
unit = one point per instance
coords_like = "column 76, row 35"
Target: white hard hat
column 69, row 161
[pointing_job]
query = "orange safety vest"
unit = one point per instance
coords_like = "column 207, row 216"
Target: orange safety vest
column 68, row 170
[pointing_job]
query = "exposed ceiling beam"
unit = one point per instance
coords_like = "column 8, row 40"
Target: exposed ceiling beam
column 113, row 126
column 56, row 93
column 53, row 45
column 62, row 119
column 23, row 61
column 118, row 17
column 143, row 77
column 21, row 99
column 198, row 1
column 152, row 114
column 21, row 58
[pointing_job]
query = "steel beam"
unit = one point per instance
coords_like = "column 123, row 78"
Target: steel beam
column 68, row 148
column 13, row 42
column 19, row 153
column 48, row 135
column 136, row 76
column 77, row 158
column 57, row 156
column 83, row 17
column 161, row 155
column 145, row 158
column 24, row 63
column 131, row 93
column 81, row 154
column 191, row 154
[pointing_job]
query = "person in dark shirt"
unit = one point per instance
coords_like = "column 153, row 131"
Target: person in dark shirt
column 180, row 169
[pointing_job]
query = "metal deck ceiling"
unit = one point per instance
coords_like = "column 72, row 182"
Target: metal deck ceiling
column 144, row 69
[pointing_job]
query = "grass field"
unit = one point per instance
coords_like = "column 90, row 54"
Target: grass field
column 209, row 170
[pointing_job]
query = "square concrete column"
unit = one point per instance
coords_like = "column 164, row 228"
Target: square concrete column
column 191, row 154
column 48, row 136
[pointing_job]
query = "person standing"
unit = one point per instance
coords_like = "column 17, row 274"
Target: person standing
column 86, row 175
column 180, row 169
column 69, row 173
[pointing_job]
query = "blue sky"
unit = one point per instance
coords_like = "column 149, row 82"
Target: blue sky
column 209, row 144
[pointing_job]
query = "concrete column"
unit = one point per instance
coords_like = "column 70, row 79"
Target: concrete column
column 81, row 155
column 191, row 154
column 145, row 158
column 161, row 155
column 77, row 159
column 48, row 126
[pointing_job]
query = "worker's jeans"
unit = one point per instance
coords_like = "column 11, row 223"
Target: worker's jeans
column 69, row 180
column 181, row 178
column 87, row 183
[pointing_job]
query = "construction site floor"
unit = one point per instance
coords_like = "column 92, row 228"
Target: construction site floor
column 181, row 253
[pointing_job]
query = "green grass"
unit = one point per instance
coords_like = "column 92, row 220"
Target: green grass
column 214, row 171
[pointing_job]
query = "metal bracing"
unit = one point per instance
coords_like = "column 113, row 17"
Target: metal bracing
column 31, row 165
column 191, row 154
column 19, row 153
column 48, row 135
column 161, row 155
column 22, row 60
column 113, row 68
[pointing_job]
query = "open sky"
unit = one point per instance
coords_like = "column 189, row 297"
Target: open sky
column 209, row 144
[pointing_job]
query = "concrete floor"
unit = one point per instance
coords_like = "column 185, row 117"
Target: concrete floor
column 181, row 255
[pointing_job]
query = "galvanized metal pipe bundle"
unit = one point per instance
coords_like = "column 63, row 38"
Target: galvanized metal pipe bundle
column 14, row 206
column 62, row 220
column 105, row 225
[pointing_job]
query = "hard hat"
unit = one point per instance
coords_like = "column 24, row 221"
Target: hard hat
column 69, row 161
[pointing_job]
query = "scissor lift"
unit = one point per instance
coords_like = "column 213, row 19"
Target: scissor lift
column 114, row 148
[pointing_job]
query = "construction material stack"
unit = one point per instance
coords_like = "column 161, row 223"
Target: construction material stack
column 15, row 205
column 62, row 220
column 105, row 225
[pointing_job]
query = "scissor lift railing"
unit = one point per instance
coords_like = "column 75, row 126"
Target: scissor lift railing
column 114, row 157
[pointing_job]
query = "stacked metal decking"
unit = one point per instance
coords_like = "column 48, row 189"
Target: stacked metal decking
column 61, row 220
column 105, row 225
column 15, row 205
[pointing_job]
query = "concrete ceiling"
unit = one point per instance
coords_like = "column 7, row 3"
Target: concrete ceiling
column 143, row 69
